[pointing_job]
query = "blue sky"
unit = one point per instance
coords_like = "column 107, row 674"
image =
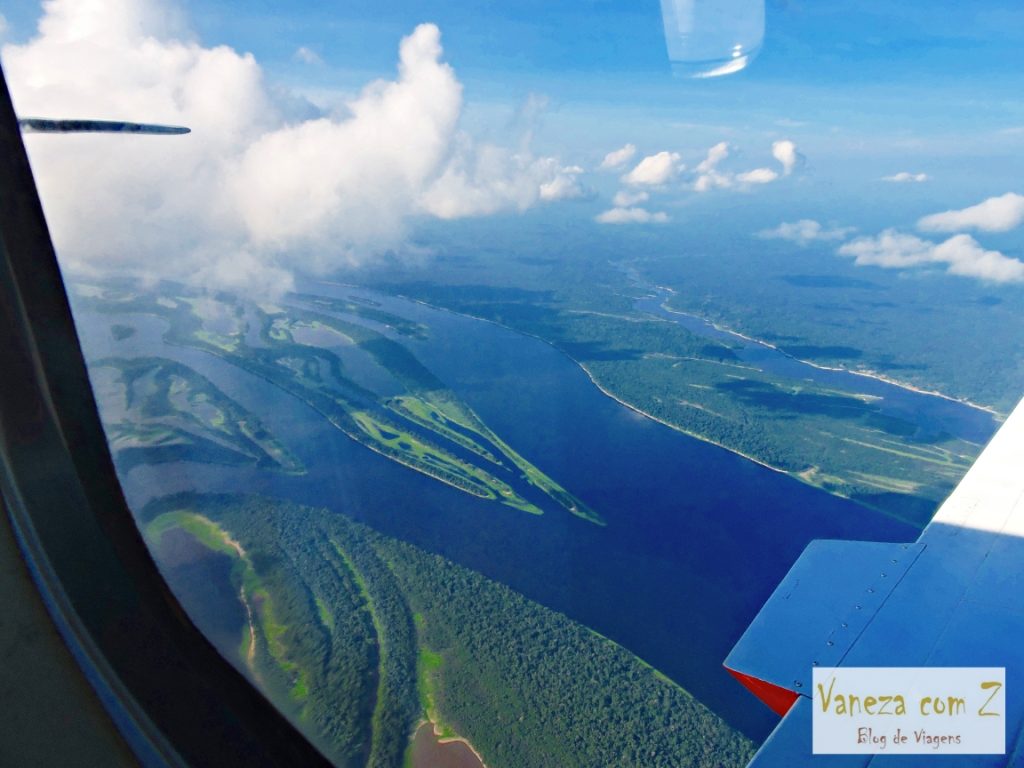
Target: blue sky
column 580, row 48
column 931, row 82
column 874, row 67
column 865, row 91
column 564, row 45
column 874, row 81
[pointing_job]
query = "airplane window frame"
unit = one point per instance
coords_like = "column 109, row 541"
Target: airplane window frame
column 175, row 700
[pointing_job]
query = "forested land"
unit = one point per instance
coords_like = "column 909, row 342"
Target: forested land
column 367, row 635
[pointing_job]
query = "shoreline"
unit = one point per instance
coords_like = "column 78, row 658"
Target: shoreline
column 457, row 740
column 866, row 373
column 797, row 476
column 639, row 411
column 435, row 728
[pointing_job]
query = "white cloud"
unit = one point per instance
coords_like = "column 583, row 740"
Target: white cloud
column 757, row 176
column 257, row 190
column 785, row 152
column 804, row 231
column 997, row 214
column 484, row 179
column 655, row 170
column 966, row 257
column 716, row 154
column 714, row 180
column 710, row 176
column 4, row 26
column 891, row 249
column 962, row 254
column 307, row 56
column 659, row 169
column 631, row 216
column 626, row 198
column 322, row 183
column 905, row 177
column 564, row 185
column 618, row 157
column 709, row 181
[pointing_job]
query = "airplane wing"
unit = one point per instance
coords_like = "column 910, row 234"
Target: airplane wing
column 46, row 125
column 953, row 598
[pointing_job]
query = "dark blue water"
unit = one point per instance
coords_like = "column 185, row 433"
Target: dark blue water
column 697, row 538
column 933, row 414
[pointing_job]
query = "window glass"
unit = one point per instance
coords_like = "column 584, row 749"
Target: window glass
column 476, row 372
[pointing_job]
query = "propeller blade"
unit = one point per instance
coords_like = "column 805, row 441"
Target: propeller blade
column 44, row 125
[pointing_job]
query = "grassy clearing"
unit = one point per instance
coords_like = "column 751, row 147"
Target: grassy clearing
column 382, row 647
column 300, row 691
column 944, row 460
column 820, row 479
column 202, row 529
column 126, row 435
column 226, row 343
column 547, row 485
column 428, row 669
column 408, row 449
column 889, row 484
column 438, row 408
column 428, row 416
column 316, row 325
column 326, row 617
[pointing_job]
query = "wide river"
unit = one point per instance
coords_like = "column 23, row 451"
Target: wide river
column 697, row 537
